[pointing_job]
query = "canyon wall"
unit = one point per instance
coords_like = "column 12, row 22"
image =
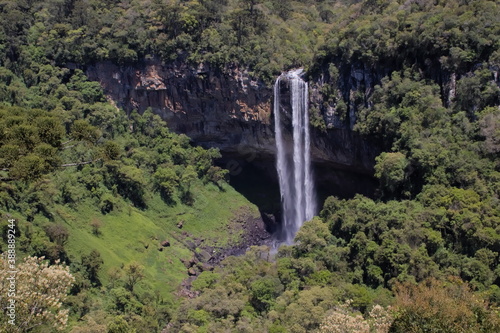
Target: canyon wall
column 229, row 110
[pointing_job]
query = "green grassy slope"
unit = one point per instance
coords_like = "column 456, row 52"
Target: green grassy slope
column 133, row 235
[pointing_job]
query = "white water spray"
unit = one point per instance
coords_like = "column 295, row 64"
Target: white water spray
column 294, row 163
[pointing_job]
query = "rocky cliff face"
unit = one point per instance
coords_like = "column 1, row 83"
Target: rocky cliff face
column 218, row 110
column 228, row 110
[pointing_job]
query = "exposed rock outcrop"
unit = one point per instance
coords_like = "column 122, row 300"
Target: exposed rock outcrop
column 225, row 109
column 214, row 109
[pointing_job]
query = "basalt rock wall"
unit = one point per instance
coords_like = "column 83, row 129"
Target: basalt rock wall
column 225, row 109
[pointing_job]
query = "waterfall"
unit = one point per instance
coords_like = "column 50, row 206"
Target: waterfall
column 294, row 163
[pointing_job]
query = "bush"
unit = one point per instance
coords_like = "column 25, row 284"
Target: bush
column 442, row 306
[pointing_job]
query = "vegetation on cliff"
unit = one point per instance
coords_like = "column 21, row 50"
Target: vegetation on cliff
column 121, row 200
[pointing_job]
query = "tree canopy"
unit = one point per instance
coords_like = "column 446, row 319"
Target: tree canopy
column 421, row 254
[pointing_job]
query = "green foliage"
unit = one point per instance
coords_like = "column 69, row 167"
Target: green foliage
column 167, row 180
column 390, row 169
column 111, row 150
column 312, row 237
column 216, row 174
column 451, row 33
column 411, row 121
column 316, row 119
column 29, row 141
column 476, row 92
column 205, row 280
column 358, row 251
column 490, row 129
column 68, row 157
column 261, row 35
column 134, row 273
column 264, row 292
column 92, row 264
column 29, row 167
column 119, row 325
column 385, row 238
column 81, row 130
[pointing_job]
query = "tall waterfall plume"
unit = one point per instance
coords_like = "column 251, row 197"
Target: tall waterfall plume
column 293, row 162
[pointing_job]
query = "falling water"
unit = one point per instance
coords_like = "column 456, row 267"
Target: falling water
column 294, row 163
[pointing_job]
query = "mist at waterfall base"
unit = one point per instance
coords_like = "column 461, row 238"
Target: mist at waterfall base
column 293, row 162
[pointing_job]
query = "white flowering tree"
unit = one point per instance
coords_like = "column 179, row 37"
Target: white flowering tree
column 343, row 319
column 32, row 297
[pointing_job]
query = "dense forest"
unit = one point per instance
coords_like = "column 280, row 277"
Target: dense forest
column 118, row 205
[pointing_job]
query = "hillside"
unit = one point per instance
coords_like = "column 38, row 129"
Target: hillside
column 404, row 103
column 102, row 192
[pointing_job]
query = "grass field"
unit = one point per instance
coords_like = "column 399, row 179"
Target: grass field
column 128, row 234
